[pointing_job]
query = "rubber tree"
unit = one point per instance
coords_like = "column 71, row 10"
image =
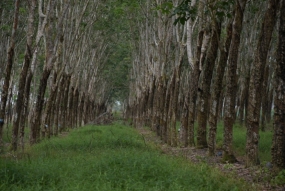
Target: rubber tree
column 256, row 81
column 8, row 69
column 23, row 75
column 278, row 143
column 217, row 90
column 52, row 37
column 231, row 87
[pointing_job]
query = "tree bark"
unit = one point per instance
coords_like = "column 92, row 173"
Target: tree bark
column 36, row 116
column 278, row 144
column 217, row 90
column 23, row 75
column 8, row 70
column 256, row 81
column 231, row 87
column 204, row 93
column 195, row 74
column 264, row 93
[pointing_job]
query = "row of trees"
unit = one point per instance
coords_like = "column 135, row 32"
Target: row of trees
column 212, row 60
column 63, row 62
column 54, row 58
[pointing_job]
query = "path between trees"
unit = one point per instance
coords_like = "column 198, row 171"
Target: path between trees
column 259, row 176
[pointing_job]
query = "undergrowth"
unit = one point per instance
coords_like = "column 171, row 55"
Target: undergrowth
column 106, row 158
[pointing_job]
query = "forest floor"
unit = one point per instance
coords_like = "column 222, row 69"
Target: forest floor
column 259, row 176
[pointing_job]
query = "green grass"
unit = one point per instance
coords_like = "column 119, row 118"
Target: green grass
column 239, row 141
column 107, row 158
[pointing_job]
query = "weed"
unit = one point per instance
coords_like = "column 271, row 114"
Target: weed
column 279, row 179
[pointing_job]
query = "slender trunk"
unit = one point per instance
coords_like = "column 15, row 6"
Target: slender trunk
column 75, row 108
column 264, row 98
column 81, row 109
column 46, row 126
column 278, row 144
column 195, row 74
column 175, row 94
column 256, row 81
column 25, row 111
column 23, row 75
column 155, row 118
column 217, row 90
column 64, row 102
column 204, row 94
column 8, row 70
column 164, row 117
column 231, row 88
column 70, row 108
column 162, row 107
column 158, row 107
column 150, row 103
column 270, row 103
column 184, row 122
column 37, row 113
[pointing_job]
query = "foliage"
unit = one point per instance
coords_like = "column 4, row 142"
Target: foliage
column 279, row 179
column 107, row 158
column 184, row 11
column 118, row 26
column 6, row 4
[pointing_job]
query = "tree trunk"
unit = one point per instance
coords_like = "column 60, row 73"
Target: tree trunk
column 217, row 90
column 81, row 109
column 75, row 107
column 256, row 81
column 264, row 101
column 23, row 75
column 25, row 111
column 8, row 70
column 165, row 133
column 46, row 126
column 174, row 97
column 70, row 108
column 204, row 94
column 37, row 113
column 278, row 144
column 231, row 87
column 64, row 106
column 195, row 74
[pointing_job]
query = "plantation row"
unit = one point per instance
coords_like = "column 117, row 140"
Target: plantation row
column 211, row 61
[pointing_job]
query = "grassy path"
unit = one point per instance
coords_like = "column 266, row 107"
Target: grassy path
column 107, row 158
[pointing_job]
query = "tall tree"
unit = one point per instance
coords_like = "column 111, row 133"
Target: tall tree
column 23, row 75
column 278, row 145
column 206, row 78
column 8, row 70
column 231, row 87
column 217, row 91
column 256, row 81
column 52, row 39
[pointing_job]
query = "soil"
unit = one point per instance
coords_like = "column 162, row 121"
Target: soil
column 259, row 176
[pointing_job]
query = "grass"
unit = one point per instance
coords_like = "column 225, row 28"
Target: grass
column 239, row 141
column 107, row 158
